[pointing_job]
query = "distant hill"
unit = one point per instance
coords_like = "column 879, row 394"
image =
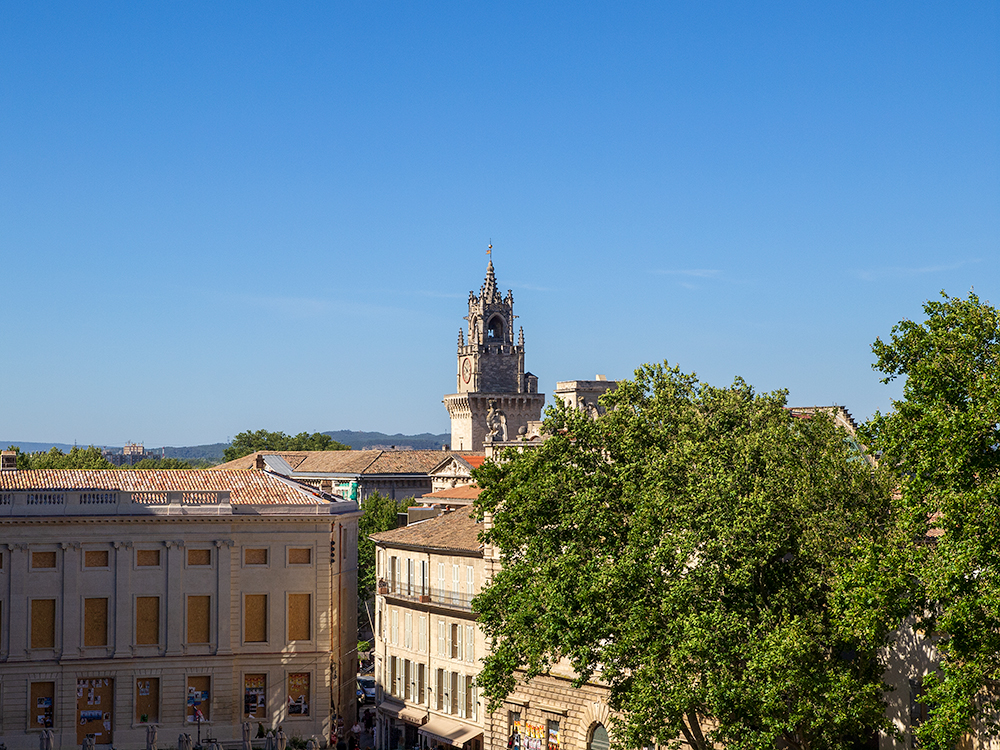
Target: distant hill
column 213, row 451
column 362, row 440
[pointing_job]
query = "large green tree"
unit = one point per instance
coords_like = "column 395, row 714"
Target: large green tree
column 249, row 442
column 77, row 458
column 943, row 440
column 725, row 567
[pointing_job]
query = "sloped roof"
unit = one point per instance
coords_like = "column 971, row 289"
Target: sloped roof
column 350, row 462
column 245, row 487
column 465, row 493
column 454, row 531
column 469, row 460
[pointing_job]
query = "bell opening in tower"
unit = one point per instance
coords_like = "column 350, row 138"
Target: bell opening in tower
column 495, row 331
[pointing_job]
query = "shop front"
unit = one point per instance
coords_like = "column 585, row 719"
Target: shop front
column 398, row 725
column 440, row 732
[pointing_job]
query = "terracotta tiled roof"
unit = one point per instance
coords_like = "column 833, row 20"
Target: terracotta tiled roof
column 352, row 462
column 475, row 461
column 294, row 458
column 245, row 487
column 464, row 492
column 455, row 531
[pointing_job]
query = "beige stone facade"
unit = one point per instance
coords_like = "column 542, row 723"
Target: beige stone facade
column 137, row 598
column 428, row 645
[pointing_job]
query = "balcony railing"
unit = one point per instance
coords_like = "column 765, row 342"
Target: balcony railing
column 113, row 502
column 427, row 594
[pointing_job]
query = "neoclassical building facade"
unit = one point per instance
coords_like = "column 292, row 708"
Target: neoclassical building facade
column 189, row 600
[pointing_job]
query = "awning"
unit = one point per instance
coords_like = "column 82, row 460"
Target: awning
column 439, row 729
column 409, row 714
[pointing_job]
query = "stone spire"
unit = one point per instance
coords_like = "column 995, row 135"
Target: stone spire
column 461, row 338
column 489, row 293
column 520, row 336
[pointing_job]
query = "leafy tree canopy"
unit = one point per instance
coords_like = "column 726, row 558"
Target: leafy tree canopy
column 249, row 442
column 378, row 514
column 160, row 463
column 77, row 458
column 725, row 567
column 943, row 438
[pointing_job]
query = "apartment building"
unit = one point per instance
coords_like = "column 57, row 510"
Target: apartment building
column 428, row 645
column 190, row 600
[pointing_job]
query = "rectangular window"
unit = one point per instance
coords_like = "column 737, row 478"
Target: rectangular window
column 397, row 577
column 442, row 626
column 409, row 576
column 408, row 630
column 95, row 622
column 421, row 682
column 147, row 558
column 147, row 700
column 254, row 696
column 441, row 593
column 453, row 694
column 394, row 640
column 456, row 583
column 199, row 698
column 147, row 620
column 43, row 560
column 422, row 643
column 470, row 698
column 43, row 623
column 299, row 617
column 400, row 678
column 470, row 581
column 255, row 618
column 393, row 583
column 95, row 558
column 199, row 557
column 392, row 675
column 41, row 697
column 460, row 703
column 408, row 680
column 424, row 582
column 456, row 641
column 553, row 735
column 470, row 642
column 300, row 556
column 199, row 618
column 439, row 690
column 255, row 556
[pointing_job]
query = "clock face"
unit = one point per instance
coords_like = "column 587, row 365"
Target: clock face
column 466, row 369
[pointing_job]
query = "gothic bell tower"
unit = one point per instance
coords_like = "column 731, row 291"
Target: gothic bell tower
column 494, row 396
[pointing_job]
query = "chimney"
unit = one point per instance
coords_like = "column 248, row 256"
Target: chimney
column 258, row 462
column 8, row 460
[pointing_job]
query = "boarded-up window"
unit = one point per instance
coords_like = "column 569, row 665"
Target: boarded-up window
column 43, row 623
column 255, row 556
column 1, row 560
column 95, row 558
column 147, row 700
column 298, row 693
column 95, row 622
column 255, row 618
column 254, row 696
column 43, row 559
column 299, row 620
column 147, row 558
column 198, row 617
column 198, row 698
column 41, row 697
column 147, row 620
column 199, row 557
column 300, row 556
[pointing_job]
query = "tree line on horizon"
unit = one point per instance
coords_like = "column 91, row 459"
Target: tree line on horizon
column 737, row 575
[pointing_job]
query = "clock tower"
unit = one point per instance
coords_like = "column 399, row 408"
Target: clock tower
column 495, row 396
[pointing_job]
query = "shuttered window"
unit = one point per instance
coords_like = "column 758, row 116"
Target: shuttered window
column 299, row 617
column 199, row 616
column 95, row 622
column 147, row 620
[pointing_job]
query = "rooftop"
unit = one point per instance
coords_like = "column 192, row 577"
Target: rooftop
column 454, row 531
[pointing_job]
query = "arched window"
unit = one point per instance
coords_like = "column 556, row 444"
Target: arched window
column 598, row 738
column 495, row 330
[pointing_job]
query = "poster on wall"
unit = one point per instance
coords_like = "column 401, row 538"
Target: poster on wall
column 253, row 696
column 298, row 694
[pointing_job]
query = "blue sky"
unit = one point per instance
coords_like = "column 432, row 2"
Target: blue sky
column 226, row 216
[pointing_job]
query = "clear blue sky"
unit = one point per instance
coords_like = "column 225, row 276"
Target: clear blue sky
column 226, row 216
